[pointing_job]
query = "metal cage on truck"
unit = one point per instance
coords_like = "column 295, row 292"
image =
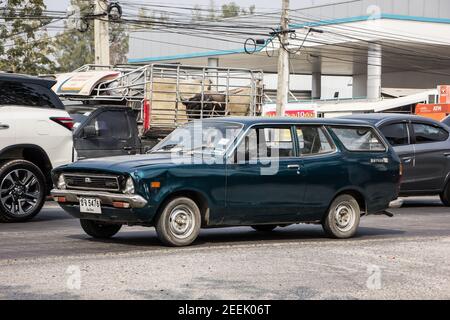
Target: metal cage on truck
column 167, row 95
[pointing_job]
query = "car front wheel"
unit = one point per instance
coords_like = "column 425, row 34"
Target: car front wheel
column 22, row 191
column 98, row 229
column 179, row 222
column 343, row 217
column 445, row 195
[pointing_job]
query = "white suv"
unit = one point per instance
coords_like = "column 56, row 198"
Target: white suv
column 35, row 136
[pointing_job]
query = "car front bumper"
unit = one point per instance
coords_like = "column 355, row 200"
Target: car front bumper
column 107, row 198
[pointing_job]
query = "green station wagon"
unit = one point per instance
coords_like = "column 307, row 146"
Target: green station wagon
column 258, row 172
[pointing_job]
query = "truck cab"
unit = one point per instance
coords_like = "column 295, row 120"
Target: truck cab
column 106, row 131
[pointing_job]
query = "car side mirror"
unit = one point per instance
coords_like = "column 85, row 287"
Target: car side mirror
column 90, row 132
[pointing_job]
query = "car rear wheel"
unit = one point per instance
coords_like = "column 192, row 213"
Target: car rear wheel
column 445, row 195
column 264, row 227
column 179, row 222
column 98, row 229
column 22, row 191
column 343, row 217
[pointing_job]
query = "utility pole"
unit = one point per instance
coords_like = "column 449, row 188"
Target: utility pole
column 101, row 33
column 283, row 61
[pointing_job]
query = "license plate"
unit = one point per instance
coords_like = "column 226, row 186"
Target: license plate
column 90, row 205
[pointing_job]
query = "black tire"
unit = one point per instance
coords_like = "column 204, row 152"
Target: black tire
column 179, row 222
column 343, row 217
column 22, row 191
column 98, row 229
column 445, row 195
column 264, row 227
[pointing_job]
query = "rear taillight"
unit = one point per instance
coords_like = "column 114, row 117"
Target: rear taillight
column 64, row 121
column 146, row 110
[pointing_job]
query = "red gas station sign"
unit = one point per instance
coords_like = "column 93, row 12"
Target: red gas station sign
column 439, row 110
column 444, row 94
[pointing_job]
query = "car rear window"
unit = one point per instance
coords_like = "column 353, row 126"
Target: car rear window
column 359, row 138
column 28, row 94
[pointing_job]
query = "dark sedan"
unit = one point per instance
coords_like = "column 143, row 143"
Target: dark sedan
column 424, row 147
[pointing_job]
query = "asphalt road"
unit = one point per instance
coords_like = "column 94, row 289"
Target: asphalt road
column 404, row 257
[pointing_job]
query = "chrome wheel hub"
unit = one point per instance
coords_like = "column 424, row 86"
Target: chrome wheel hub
column 181, row 222
column 20, row 192
column 345, row 217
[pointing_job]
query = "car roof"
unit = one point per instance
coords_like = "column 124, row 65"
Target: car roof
column 26, row 79
column 378, row 118
column 249, row 121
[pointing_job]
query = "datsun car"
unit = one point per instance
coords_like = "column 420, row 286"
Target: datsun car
column 258, row 172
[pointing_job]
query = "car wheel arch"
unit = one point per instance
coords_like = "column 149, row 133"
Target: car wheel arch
column 32, row 153
column 355, row 193
column 198, row 197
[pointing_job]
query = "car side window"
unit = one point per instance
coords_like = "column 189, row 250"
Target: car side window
column 425, row 133
column 313, row 140
column 396, row 133
column 359, row 138
column 27, row 94
column 112, row 124
column 266, row 142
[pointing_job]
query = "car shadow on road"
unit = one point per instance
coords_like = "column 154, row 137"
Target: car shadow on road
column 26, row 292
column 241, row 235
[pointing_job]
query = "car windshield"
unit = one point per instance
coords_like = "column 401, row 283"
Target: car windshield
column 212, row 137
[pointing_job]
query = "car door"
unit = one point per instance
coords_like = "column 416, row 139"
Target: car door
column 264, row 181
column 432, row 156
column 321, row 170
column 109, row 131
column 398, row 134
column 7, row 127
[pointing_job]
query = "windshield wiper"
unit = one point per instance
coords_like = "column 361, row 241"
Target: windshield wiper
column 202, row 148
column 167, row 148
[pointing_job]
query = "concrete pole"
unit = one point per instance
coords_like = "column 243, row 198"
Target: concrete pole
column 374, row 71
column 283, row 62
column 316, row 85
column 213, row 73
column 101, row 33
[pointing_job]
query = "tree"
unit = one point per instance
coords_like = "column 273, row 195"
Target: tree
column 196, row 13
column 230, row 10
column 25, row 46
column 146, row 17
column 74, row 48
column 119, row 40
column 211, row 11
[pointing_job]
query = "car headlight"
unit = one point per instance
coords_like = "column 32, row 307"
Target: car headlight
column 129, row 186
column 61, row 183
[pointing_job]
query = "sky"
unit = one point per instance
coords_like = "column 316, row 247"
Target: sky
column 262, row 4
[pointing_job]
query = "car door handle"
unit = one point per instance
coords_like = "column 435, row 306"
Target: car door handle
column 3, row 126
column 293, row 166
column 447, row 154
column 127, row 148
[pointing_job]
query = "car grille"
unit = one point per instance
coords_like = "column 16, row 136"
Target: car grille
column 92, row 182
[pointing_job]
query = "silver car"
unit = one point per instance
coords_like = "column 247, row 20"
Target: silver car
column 423, row 145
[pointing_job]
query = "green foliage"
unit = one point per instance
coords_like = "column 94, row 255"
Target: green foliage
column 74, row 49
column 230, row 10
column 227, row 11
column 119, row 43
column 24, row 43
